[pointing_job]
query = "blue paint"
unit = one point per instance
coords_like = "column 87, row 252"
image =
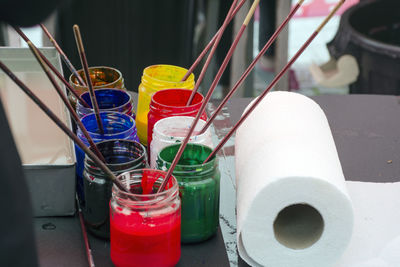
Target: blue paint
column 116, row 126
column 108, row 100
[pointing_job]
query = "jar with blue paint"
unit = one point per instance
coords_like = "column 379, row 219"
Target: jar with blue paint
column 108, row 99
column 199, row 187
column 121, row 156
column 116, row 126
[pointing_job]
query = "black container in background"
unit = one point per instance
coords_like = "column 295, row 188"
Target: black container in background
column 370, row 31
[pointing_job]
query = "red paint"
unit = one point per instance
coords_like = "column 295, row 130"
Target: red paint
column 136, row 241
column 172, row 102
column 146, row 231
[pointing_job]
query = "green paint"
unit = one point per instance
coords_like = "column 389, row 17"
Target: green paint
column 198, row 188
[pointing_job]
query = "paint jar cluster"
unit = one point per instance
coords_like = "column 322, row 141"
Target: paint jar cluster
column 147, row 227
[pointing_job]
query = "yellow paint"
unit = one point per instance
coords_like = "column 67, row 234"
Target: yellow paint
column 156, row 78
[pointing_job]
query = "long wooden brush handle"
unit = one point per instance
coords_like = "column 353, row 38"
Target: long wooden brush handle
column 65, row 100
column 210, row 44
column 81, row 49
column 230, row 53
column 209, row 58
column 252, row 65
column 63, row 55
column 63, row 127
column 54, row 70
column 196, row 119
column 274, row 82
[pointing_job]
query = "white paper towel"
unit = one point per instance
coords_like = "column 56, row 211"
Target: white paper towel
column 286, row 156
column 375, row 241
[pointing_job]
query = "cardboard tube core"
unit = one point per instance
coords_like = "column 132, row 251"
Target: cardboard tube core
column 298, row 226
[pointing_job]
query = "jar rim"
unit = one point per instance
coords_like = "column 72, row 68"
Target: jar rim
column 208, row 164
column 162, row 135
column 73, row 79
column 157, row 197
column 155, row 102
column 139, row 145
column 106, row 89
column 120, row 115
column 149, row 68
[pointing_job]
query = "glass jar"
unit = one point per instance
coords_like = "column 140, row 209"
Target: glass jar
column 172, row 130
column 172, row 102
column 156, row 78
column 120, row 156
column 199, row 186
column 145, row 226
column 101, row 76
column 108, row 100
column 116, row 126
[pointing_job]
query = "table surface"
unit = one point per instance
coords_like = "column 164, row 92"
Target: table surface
column 367, row 137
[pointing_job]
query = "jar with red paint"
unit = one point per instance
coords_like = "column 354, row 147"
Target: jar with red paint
column 172, row 102
column 145, row 226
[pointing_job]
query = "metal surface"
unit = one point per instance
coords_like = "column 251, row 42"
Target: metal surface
column 47, row 154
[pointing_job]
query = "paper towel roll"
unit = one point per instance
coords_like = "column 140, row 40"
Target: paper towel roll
column 293, row 208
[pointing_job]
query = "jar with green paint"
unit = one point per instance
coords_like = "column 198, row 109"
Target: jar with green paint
column 199, row 186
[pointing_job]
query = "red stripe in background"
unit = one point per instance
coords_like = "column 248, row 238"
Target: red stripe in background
column 319, row 8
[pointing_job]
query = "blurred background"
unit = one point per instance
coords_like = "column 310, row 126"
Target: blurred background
column 130, row 36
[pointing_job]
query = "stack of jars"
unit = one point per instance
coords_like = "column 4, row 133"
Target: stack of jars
column 146, row 227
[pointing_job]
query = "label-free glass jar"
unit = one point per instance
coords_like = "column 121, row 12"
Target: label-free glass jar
column 199, row 186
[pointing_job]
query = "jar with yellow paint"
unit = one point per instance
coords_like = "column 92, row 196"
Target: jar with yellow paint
column 156, row 78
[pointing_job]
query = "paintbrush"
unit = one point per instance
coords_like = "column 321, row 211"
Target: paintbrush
column 82, row 55
column 201, row 110
column 63, row 127
column 54, row 70
column 63, row 55
column 65, row 100
column 213, row 49
column 210, row 44
column 274, row 81
column 229, row 54
column 252, row 65
column 89, row 255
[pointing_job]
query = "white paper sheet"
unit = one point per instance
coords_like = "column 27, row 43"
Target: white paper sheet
column 285, row 155
column 376, row 234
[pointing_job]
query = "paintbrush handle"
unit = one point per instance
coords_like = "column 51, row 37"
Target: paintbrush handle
column 62, row 126
column 252, row 65
column 210, row 44
column 53, row 69
column 63, row 55
column 230, row 53
column 209, row 58
column 199, row 113
column 88, row 250
column 274, row 82
column 251, row 12
column 65, row 100
column 85, row 67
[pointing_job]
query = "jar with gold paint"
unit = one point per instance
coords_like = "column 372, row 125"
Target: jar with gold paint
column 101, row 76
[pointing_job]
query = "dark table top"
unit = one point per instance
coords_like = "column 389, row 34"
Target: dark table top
column 367, row 136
